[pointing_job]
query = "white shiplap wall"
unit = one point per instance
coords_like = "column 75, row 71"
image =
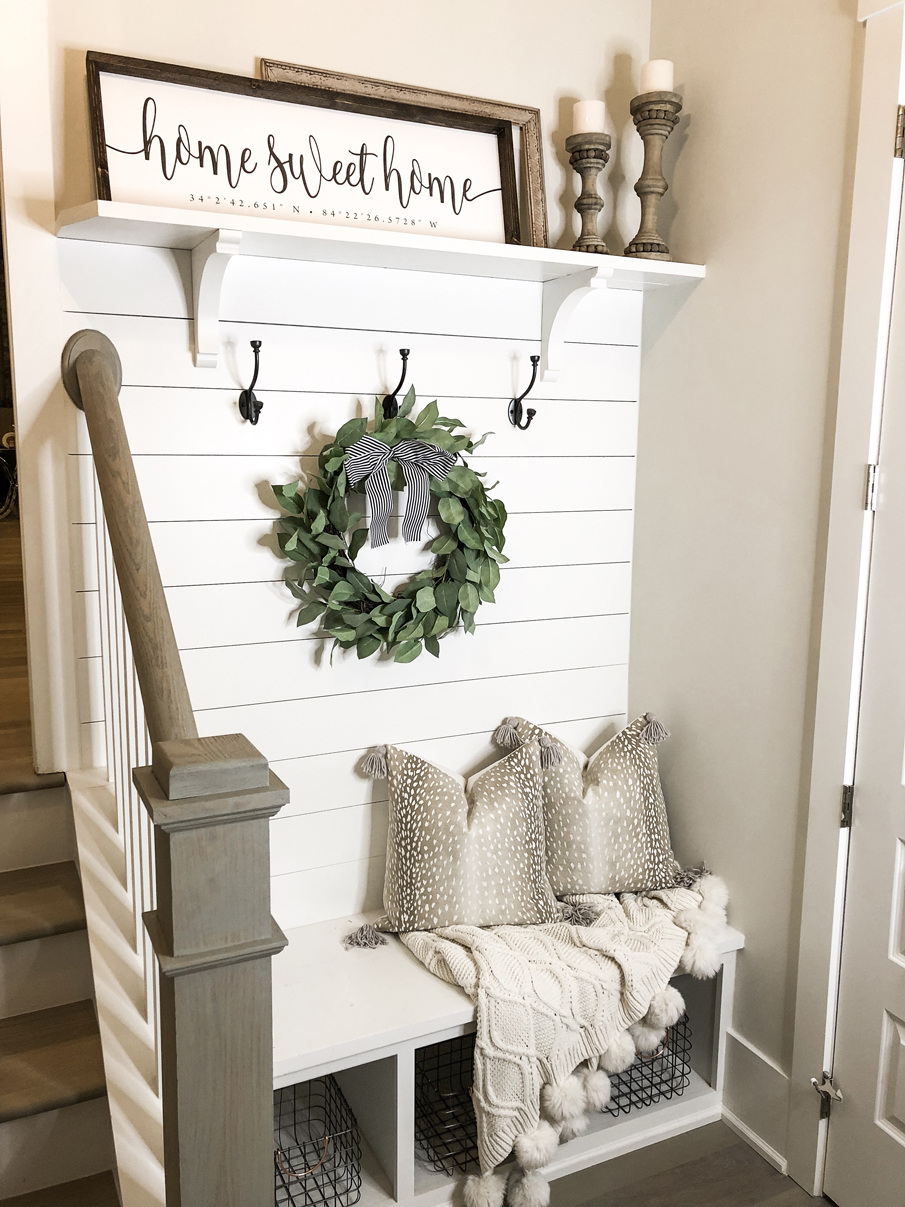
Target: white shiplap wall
column 553, row 648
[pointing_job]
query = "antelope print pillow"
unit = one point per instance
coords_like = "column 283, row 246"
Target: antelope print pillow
column 604, row 816
column 464, row 854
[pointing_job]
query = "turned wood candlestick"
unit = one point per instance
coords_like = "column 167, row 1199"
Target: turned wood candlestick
column 655, row 114
column 588, row 155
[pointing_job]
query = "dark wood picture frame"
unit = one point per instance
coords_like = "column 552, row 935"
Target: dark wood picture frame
column 298, row 94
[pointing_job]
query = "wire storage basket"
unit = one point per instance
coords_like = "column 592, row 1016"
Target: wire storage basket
column 665, row 1073
column 445, row 1127
column 316, row 1147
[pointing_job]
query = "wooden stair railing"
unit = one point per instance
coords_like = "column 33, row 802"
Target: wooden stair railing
column 210, row 801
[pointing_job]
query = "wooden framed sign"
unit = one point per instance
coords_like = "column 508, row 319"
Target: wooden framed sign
column 174, row 136
column 524, row 120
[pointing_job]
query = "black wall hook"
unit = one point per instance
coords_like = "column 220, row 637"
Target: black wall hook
column 249, row 407
column 391, row 402
column 515, row 407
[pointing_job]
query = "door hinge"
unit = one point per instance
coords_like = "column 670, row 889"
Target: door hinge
column 900, row 133
column 870, row 488
column 848, row 800
column 826, row 1088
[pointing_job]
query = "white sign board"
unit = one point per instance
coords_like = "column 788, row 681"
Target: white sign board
column 232, row 150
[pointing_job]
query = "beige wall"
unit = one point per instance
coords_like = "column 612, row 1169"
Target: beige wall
column 523, row 51
column 737, row 390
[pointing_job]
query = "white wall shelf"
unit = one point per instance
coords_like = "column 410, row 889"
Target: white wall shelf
column 362, row 1014
column 566, row 276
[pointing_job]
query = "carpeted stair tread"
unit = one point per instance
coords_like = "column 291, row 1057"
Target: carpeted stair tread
column 40, row 901
column 97, row 1191
column 49, row 1059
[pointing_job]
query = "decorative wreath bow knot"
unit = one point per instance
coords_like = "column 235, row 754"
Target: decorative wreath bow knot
column 368, row 458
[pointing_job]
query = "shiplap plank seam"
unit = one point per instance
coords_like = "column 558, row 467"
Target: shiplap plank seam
column 399, row 687
column 407, row 332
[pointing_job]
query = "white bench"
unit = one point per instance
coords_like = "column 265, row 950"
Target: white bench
column 361, row 1015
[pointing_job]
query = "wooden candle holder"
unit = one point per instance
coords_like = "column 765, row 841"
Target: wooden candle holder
column 655, row 115
column 588, row 155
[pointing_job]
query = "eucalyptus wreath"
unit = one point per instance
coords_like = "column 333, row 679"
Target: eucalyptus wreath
column 324, row 537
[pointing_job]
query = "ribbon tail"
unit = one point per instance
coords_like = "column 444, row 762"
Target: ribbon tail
column 417, row 501
column 380, row 502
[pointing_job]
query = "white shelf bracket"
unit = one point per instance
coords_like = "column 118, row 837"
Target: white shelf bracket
column 560, row 298
column 210, row 260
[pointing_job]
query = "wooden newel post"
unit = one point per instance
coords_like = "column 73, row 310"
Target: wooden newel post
column 211, row 800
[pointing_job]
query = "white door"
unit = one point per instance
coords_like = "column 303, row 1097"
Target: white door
column 866, row 1141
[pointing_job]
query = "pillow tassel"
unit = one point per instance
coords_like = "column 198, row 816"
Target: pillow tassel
column 506, row 735
column 654, row 732
column 375, row 765
column 579, row 913
column 366, row 936
column 550, row 753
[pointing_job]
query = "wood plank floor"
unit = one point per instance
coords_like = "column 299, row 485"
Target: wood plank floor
column 17, row 772
column 710, row 1167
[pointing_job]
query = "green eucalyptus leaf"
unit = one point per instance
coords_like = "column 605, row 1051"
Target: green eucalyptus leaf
column 358, row 538
column 319, row 523
column 368, row 646
column 343, row 633
column 447, row 596
column 469, row 599
column 331, row 541
column 444, row 544
column 342, row 591
column 407, row 403
column 427, row 417
column 467, row 535
column 351, row 431
column 457, row 566
column 414, row 628
column 424, row 600
column 468, row 621
column 309, row 612
column 339, row 516
column 441, row 624
column 432, row 645
column 438, row 437
column 461, row 480
column 408, row 651
column 490, row 574
column 451, row 510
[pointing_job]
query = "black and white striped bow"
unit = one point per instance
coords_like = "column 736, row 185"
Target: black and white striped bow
column 367, row 458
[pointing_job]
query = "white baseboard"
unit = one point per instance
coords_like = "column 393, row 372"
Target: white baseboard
column 777, row 1160
column 756, row 1098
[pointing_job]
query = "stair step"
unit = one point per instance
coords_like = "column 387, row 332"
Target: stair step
column 40, row 901
column 49, row 1059
column 97, row 1191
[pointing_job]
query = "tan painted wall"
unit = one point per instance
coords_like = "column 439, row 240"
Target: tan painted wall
column 737, row 406
column 523, row 51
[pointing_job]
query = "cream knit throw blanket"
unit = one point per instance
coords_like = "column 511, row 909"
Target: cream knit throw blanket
column 551, row 998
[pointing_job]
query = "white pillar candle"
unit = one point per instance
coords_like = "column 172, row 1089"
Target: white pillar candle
column 657, row 76
column 588, row 117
